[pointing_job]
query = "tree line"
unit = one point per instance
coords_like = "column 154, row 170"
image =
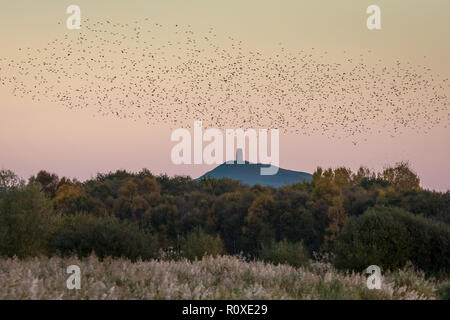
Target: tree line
column 355, row 218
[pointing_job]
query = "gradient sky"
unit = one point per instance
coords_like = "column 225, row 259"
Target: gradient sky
column 42, row 135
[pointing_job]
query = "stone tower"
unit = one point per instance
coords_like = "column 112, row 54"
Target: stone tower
column 239, row 156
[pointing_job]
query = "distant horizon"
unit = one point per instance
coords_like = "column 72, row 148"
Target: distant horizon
column 94, row 176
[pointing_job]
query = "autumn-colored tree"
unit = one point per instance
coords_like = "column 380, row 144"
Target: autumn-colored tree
column 338, row 219
column 259, row 226
column 401, row 177
column 343, row 177
column 362, row 174
column 150, row 191
column 149, row 185
column 327, row 190
column 128, row 190
column 130, row 204
column 68, row 198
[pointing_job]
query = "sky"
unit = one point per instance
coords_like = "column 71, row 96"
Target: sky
column 37, row 135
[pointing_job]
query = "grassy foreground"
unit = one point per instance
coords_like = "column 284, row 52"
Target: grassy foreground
column 223, row 277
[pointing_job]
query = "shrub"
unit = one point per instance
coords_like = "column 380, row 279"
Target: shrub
column 285, row 252
column 198, row 244
column 25, row 221
column 84, row 234
column 443, row 292
column 390, row 237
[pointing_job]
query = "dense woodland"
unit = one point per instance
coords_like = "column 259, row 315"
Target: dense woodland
column 351, row 219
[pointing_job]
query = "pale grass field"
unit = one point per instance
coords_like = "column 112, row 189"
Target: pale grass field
column 211, row 278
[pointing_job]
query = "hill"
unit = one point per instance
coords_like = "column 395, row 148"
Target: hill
column 250, row 173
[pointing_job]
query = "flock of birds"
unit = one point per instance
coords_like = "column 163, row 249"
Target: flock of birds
column 170, row 74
